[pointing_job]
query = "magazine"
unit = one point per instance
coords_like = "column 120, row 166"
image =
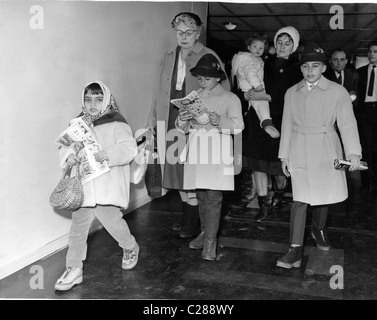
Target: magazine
column 341, row 164
column 194, row 105
column 81, row 139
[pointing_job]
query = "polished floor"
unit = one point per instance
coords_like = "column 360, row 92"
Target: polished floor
column 245, row 268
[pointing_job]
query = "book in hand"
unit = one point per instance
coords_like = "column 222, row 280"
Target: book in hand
column 80, row 138
column 194, row 105
column 340, row 164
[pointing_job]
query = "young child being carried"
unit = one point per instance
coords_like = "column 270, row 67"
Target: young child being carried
column 248, row 68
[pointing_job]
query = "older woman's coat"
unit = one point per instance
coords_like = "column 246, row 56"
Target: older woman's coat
column 310, row 142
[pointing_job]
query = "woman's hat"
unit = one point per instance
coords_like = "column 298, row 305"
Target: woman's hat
column 208, row 66
column 312, row 52
column 292, row 32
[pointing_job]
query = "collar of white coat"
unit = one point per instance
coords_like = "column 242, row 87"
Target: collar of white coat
column 322, row 83
column 218, row 90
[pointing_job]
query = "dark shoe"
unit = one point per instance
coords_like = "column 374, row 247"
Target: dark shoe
column 320, row 236
column 209, row 249
column 176, row 226
column 198, row 242
column 252, row 195
column 292, row 258
column 190, row 222
column 265, row 208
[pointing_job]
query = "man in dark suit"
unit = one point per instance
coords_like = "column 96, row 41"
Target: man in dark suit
column 367, row 106
column 337, row 72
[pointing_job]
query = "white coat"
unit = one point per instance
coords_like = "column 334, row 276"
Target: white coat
column 310, row 142
column 209, row 162
column 113, row 187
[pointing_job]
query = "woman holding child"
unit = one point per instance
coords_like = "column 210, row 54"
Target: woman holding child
column 280, row 73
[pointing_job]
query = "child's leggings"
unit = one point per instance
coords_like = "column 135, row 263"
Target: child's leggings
column 262, row 108
column 112, row 220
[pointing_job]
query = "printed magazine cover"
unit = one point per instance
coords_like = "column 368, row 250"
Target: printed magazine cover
column 194, row 105
column 79, row 137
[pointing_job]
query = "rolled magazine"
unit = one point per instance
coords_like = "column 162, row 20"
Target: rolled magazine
column 340, row 164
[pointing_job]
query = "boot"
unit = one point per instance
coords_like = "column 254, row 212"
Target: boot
column 209, row 249
column 265, row 208
column 197, row 243
column 178, row 224
column 190, row 221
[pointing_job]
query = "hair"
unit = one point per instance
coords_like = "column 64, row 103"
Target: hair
column 281, row 35
column 257, row 36
column 93, row 88
column 338, row 50
column 372, row 43
column 193, row 16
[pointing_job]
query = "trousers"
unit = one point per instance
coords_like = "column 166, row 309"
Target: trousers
column 112, row 220
column 298, row 220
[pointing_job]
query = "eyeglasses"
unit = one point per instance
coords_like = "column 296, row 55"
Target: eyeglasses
column 188, row 33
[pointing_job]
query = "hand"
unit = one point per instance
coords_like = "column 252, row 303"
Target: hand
column 101, row 156
column 284, row 167
column 72, row 160
column 214, row 118
column 184, row 115
column 355, row 162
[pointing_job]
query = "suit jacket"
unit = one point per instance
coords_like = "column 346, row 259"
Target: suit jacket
column 363, row 80
column 351, row 80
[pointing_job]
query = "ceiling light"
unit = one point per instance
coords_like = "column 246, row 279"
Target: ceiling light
column 230, row 26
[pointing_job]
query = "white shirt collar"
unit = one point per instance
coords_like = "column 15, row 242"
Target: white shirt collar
column 311, row 85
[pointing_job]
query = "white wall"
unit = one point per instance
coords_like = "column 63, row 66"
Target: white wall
column 42, row 74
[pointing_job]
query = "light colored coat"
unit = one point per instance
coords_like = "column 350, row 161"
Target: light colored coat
column 159, row 111
column 113, row 187
column 248, row 69
column 209, row 162
column 310, row 141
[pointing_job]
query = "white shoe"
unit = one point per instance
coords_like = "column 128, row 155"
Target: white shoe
column 70, row 277
column 130, row 257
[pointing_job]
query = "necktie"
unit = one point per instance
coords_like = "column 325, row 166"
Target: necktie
column 339, row 77
column 371, row 82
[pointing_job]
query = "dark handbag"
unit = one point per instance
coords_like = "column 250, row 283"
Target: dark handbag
column 68, row 194
column 153, row 175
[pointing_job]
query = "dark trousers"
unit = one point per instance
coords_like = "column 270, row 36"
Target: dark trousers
column 209, row 202
column 368, row 133
column 298, row 220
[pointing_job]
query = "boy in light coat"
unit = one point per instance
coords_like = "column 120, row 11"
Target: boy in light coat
column 308, row 147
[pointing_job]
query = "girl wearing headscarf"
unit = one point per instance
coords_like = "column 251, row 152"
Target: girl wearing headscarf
column 174, row 81
column 107, row 194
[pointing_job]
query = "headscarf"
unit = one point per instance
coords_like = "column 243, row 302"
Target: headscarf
column 109, row 111
column 295, row 35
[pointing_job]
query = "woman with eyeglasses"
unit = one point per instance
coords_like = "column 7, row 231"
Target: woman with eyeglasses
column 175, row 81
